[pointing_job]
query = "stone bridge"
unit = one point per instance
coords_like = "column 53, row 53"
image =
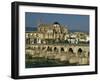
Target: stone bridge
column 71, row 53
column 60, row 48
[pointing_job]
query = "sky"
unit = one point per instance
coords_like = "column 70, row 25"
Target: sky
column 73, row 22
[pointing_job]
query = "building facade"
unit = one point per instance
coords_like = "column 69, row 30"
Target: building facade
column 49, row 33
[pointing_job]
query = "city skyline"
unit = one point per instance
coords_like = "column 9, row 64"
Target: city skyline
column 73, row 22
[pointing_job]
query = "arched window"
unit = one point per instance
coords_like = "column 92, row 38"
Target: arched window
column 39, row 48
column 28, row 41
column 34, row 48
column 35, row 41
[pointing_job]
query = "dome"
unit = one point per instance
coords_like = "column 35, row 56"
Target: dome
column 56, row 23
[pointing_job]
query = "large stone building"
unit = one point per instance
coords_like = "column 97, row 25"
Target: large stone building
column 55, row 41
column 55, row 32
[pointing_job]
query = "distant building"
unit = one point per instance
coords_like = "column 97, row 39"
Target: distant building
column 55, row 33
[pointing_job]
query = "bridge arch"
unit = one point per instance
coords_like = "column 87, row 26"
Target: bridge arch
column 34, row 48
column 43, row 48
column 62, row 49
column 49, row 48
column 55, row 49
column 79, row 51
column 70, row 50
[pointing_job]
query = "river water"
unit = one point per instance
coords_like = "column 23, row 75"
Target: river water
column 42, row 62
